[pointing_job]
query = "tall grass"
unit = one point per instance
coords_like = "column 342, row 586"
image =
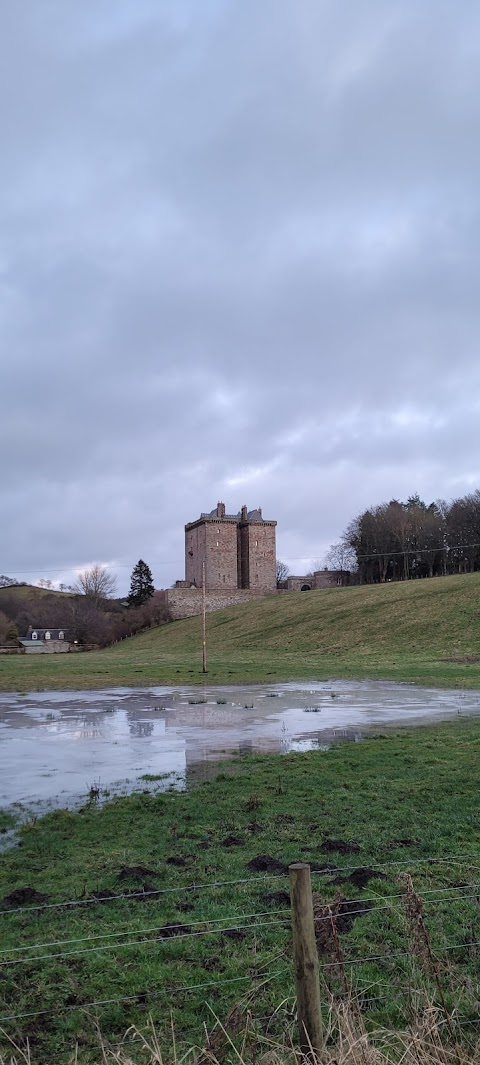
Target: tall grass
column 426, row 1041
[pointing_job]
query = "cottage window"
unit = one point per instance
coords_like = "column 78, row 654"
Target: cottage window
column 47, row 635
column 61, row 635
column 34, row 636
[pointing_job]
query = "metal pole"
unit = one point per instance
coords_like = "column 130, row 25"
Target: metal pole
column 204, row 624
column 305, row 958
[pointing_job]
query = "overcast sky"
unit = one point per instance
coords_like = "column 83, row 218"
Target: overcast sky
column 239, row 260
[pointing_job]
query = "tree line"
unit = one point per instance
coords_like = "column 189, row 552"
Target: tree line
column 400, row 541
column 89, row 612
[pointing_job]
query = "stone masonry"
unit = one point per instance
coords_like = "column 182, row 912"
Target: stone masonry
column 238, row 551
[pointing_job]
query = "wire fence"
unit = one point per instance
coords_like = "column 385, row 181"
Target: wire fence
column 99, row 899
column 253, row 923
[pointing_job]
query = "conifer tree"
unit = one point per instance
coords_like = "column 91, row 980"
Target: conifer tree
column 141, row 584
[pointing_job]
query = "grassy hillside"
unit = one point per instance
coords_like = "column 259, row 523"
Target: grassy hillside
column 398, row 631
column 26, row 591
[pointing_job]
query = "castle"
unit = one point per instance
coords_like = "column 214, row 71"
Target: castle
column 237, row 553
column 237, row 550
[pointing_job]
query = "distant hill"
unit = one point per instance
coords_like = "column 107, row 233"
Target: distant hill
column 24, row 591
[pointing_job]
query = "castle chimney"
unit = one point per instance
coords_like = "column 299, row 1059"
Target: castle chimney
column 244, row 514
column 220, row 510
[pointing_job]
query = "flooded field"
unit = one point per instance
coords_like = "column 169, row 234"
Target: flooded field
column 55, row 746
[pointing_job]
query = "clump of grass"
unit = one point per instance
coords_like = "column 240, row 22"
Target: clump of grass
column 196, row 702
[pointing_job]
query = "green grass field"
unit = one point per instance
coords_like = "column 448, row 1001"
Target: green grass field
column 402, row 631
column 396, row 803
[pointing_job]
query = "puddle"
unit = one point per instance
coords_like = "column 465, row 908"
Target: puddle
column 56, row 746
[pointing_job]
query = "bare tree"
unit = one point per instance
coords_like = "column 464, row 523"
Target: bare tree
column 96, row 583
column 340, row 557
column 282, row 571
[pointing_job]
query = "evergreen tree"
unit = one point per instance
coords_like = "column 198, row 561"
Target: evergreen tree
column 141, row 584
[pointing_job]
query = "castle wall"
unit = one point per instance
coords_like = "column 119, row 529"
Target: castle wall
column 221, row 555
column 187, row 602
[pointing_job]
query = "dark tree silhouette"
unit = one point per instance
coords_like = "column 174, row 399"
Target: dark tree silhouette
column 141, row 584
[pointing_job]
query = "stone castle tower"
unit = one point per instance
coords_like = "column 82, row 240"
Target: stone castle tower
column 238, row 551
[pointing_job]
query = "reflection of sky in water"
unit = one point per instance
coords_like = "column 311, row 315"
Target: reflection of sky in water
column 58, row 743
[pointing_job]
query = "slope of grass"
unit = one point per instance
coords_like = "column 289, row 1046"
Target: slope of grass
column 395, row 804
column 28, row 591
column 399, row 631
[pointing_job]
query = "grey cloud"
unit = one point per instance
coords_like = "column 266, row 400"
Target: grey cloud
column 238, row 257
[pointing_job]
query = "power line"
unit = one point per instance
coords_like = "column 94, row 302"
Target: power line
column 286, row 558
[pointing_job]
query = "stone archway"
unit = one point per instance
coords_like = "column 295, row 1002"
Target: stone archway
column 306, row 588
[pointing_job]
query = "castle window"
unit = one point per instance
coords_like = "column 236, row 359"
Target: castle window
column 61, row 635
column 218, row 544
column 256, row 543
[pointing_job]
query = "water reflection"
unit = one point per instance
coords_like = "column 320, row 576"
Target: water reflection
column 56, row 743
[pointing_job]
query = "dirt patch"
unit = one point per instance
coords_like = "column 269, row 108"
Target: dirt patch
column 103, row 895
column 360, row 877
column 341, row 846
column 405, row 842
column 23, row 896
column 264, row 863
column 464, row 660
column 349, row 911
column 145, row 891
column 255, row 827
column 136, row 872
column 235, row 933
column 177, row 859
column 232, row 841
column 167, row 931
column 276, row 898
column 334, row 918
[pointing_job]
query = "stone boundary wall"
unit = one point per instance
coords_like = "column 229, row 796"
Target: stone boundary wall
column 186, row 602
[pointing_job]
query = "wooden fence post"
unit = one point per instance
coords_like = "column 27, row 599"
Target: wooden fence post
column 305, row 958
